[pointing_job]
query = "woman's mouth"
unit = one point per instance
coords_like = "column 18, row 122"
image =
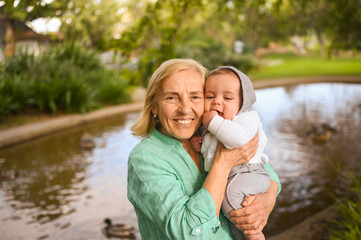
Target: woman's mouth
column 183, row 121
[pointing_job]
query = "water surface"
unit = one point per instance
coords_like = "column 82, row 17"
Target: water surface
column 65, row 192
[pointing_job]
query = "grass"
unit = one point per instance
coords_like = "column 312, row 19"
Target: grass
column 283, row 66
column 348, row 225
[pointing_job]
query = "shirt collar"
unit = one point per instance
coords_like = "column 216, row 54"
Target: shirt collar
column 164, row 139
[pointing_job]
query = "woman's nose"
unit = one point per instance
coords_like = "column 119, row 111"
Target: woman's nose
column 185, row 106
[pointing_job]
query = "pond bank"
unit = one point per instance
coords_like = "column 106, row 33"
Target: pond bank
column 313, row 227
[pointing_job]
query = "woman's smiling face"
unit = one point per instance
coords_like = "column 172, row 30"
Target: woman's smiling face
column 180, row 104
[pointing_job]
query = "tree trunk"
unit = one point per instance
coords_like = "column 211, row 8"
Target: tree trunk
column 9, row 36
column 320, row 41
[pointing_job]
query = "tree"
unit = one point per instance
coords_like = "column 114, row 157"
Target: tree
column 339, row 21
column 91, row 22
column 154, row 36
column 26, row 10
column 344, row 24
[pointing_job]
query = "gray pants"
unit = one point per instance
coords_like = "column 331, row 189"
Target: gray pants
column 244, row 180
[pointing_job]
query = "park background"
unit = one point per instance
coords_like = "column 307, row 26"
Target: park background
column 102, row 51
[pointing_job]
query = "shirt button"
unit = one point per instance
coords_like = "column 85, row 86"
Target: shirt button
column 198, row 230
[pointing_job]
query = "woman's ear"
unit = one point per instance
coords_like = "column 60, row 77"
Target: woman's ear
column 154, row 111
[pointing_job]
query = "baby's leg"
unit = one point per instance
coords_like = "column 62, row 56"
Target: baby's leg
column 250, row 181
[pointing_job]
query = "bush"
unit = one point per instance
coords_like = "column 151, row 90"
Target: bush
column 13, row 93
column 21, row 63
column 66, row 78
column 78, row 55
column 114, row 89
column 59, row 86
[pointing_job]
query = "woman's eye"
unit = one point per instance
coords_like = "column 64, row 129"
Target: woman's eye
column 171, row 99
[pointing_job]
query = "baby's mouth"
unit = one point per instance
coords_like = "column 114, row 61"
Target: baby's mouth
column 219, row 112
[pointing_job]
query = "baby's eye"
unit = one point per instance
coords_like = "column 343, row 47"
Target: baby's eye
column 228, row 98
column 210, row 97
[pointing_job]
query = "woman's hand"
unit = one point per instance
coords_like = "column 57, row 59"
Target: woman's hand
column 196, row 142
column 253, row 217
column 234, row 157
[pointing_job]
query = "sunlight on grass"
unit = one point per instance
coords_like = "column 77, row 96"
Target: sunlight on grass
column 305, row 66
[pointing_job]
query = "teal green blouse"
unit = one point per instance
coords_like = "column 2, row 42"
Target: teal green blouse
column 165, row 188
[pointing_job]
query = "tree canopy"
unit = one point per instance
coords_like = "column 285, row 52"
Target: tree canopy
column 91, row 22
column 155, row 30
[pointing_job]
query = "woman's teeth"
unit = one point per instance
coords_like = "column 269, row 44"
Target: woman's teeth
column 184, row 121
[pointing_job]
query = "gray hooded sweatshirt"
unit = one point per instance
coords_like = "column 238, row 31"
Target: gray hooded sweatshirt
column 238, row 131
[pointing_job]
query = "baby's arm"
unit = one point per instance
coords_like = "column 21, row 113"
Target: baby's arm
column 235, row 133
column 207, row 118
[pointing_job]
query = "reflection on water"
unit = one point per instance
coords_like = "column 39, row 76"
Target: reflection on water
column 64, row 192
column 304, row 167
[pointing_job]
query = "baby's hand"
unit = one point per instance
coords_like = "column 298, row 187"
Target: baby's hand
column 207, row 118
column 196, row 142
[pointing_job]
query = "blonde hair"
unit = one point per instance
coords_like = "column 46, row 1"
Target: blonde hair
column 146, row 122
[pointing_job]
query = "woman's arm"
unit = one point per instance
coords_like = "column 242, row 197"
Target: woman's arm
column 224, row 161
column 162, row 198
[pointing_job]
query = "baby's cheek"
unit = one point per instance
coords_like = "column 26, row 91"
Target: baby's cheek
column 206, row 106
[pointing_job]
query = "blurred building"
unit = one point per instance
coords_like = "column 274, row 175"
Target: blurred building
column 25, row 38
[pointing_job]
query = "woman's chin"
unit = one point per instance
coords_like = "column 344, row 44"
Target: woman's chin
column 180, row 134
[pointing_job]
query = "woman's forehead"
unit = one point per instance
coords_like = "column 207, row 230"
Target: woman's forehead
column 189, row 79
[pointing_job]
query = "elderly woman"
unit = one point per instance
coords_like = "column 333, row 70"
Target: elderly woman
column 172, row 195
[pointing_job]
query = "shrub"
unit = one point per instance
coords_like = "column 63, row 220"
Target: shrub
column 77, row 54
column 59, row 85
column 114, row 89
column 67, row 77
column 13, row 93
column 19, row 63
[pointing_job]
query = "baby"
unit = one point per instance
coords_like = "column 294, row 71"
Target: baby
column 230, row 119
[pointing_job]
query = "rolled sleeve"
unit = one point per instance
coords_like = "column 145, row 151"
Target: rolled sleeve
column 273, row 176
column 205, row 212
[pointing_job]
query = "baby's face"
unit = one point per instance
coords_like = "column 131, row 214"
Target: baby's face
column 222, row 94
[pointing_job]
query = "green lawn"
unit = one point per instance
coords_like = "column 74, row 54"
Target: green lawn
column 291, row 66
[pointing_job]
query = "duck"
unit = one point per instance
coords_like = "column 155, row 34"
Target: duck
column 321, row 134
column 9, row 175
column 87, row 141
column 118, row 230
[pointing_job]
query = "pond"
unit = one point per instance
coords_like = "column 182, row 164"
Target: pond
column 65, row 192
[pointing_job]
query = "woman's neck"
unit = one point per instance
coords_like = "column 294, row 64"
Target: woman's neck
column 194, row 155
